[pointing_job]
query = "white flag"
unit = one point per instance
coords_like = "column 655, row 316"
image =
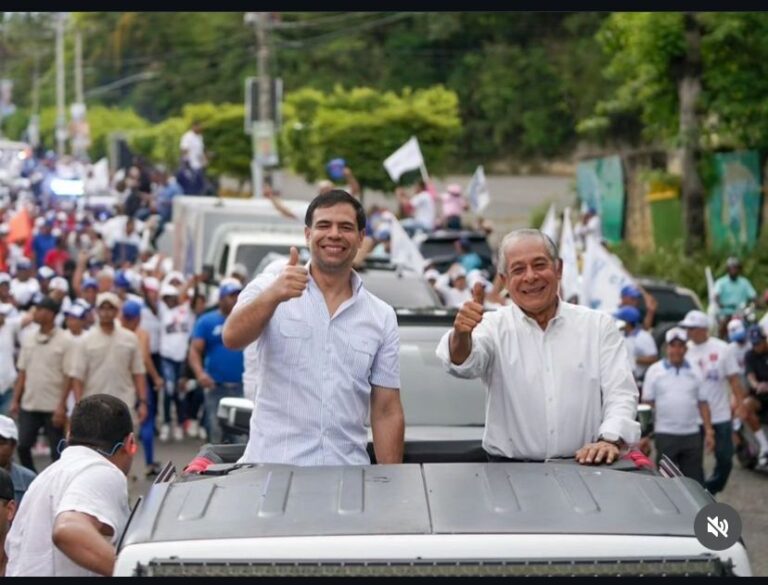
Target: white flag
column 477, row 191
column 403, row 251
column 569, row 283
column 405, row 158
column 712, row 307
column 603, row 278
column 549, row 226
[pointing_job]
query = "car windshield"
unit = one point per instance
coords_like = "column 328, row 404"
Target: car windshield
column 252, row 256
column 405, row 291
column 672, row 305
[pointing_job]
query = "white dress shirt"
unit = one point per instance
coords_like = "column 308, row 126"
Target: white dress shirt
column 315, row 374
column 676, row 393
column 548, row 393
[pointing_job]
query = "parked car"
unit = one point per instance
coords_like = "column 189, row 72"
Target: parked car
column 673, row 303
column 439, row 248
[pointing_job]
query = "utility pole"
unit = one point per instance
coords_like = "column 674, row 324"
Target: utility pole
column 261, row 27
column 61, row 113
column 79, row 98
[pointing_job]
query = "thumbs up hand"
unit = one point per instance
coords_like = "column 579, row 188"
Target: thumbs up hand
column 470, row 314
column 293, row 279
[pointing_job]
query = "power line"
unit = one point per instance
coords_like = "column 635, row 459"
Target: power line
column 320, row 21
column 342, row 32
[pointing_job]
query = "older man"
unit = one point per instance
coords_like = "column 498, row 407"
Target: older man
column 557, row 377
column 327, row 351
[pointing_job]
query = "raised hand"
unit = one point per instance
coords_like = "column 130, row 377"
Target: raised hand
column 293, row 279
column 470, row 314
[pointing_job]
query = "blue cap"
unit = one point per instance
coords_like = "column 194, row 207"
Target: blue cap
column 756, row 334
column 131, row 309
column 121, row 281
column 229, row 288
column 90, row 283
column 628, row 314
column 75, row 310
column 631, row 291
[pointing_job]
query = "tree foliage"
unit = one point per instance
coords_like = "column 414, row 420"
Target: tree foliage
column 364, row 126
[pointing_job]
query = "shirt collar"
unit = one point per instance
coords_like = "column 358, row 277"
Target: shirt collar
column 668, row 365
column 354, row 277
column 555, row 318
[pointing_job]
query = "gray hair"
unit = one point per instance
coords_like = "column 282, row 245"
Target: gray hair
column 520, row 234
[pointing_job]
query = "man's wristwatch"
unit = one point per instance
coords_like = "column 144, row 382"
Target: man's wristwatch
column 612, row 438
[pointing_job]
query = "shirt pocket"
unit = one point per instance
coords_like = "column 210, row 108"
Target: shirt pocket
column 296, row 338
column 362, row 352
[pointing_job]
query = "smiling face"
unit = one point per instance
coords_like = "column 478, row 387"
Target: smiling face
column 533, row 278
column 333, row 238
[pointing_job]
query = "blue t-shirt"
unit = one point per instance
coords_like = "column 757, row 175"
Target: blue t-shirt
column 41, row 243
column 471, row 261
column 221, row 363
column 733, row 293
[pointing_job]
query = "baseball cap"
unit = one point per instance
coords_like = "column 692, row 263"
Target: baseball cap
column 732, row 261
column 631, row 291
column 90, row 283
column 7, row 491
column 122, row 280
column 151, row 283
column 59, row 283
column 431, row 274
column 229, row 288
column 8, row 428
column 695, row 320
column 108, row 297
column 736, row 330
column 24, row 264
column 47, row 303
column 239, row 269
column 756, row 334
column 4, row 277
column 168, row 290
column 46, row 272
column 454, row 188
column 628, row 315
column 75, row 310
column 676, row 333
column 458, row 272
column 131, row 309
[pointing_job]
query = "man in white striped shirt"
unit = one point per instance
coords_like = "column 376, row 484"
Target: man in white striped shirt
column 328, row 351
column 557, row 377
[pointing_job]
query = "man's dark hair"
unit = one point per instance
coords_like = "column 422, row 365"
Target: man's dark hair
column 334, row 197
column 100, row 421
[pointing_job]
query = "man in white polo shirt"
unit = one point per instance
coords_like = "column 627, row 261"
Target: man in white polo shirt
column 676, row 391
column 722, row 375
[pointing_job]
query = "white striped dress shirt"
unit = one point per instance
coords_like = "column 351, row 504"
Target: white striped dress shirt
column 315, row 374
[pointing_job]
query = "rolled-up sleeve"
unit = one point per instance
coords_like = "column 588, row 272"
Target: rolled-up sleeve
column 617, row 385
column 479, row 358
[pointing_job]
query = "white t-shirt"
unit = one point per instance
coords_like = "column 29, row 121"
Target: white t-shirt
column 193, row 144
column 81, row 481
column 640, row 343
column 424, row 211
column 715, row 363
column 24, row 291
column 676, row 393
column 176, row 327
column 151, row 324
column 9, row 334
column 739, row 351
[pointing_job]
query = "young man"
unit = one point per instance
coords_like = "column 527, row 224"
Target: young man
column 640, row 344
column 327, row 351
column 220, row 372
column 76, row 509
column 676, row 391
column 21, row 476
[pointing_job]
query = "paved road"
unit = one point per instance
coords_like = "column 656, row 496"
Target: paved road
column 746, row 491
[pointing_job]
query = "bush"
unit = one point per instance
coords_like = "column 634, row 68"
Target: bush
column 364, row 126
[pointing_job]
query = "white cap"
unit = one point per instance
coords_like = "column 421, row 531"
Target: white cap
column 168, row 290
column 431, row 274
column 151, row 283
column 173, row 275
column 239, row 268
column 695, row 320
column 8, row 429
column 458, row 271
column 59, row 283
column 46, row 272
column 476, row 276
column 4, row 277
column 106, row 271
column 736, row 327
column 676, row 333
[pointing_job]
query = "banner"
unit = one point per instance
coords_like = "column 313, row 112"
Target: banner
column 405, row 158
column 477, row 191
column 403, row 251
column 549, row 225
column 603, row 278
column 569, row 283
column 734, row 207
column 600, row 184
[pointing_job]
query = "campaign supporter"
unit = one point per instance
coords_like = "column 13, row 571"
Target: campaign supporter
column 757, row 402
column 21, row 476
column 640, row 344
